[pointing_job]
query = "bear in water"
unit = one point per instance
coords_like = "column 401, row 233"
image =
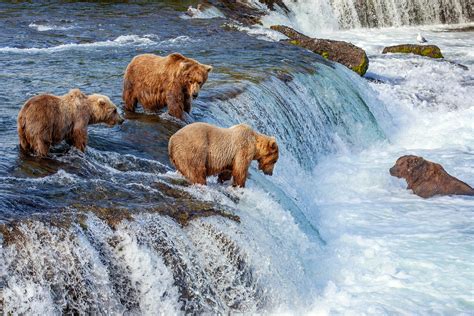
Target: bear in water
column 427, row 178
column 46, row 120
column 157, row 82
column 200, row 150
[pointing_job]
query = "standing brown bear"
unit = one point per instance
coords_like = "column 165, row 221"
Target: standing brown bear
column 200, row 150
column 427, row 178
column 46, row 120
column 157, row 82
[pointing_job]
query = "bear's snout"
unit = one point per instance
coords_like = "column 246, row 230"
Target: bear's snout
column 394, row 172
column 195, row 95
column 268, row 173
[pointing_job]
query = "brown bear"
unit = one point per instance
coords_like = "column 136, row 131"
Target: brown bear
column 427, row 178
column 200, row 150
column 157, row 82
column 46, row 120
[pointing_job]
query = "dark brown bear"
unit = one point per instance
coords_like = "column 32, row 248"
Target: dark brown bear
column 46, row 120
column 157, row 82
column 427, row 178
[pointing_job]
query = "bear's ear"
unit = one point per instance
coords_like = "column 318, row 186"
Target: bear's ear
column 208, row 68
column 418, row 161
column 186, row 65
column 102, row 102
column 76, row 93
column 272, row 143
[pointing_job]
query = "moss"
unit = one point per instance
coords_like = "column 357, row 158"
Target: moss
column 295, row 42
column 431, row 51
column 361, row 69
column 325, row 55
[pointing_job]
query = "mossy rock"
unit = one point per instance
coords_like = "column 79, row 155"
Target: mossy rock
column 431, row 51
column 345, row 53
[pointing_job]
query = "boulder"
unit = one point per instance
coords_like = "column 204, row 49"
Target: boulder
column 431, row 51
column 345, row 53
column 271, row 4
column 244, row 11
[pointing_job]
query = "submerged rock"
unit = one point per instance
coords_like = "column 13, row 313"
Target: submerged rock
column 345, row 53
column 431, row 51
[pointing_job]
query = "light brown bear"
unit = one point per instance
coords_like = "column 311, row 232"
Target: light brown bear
column 157, row 82
column 427, row 178
column 200, row 150
column 46, row 120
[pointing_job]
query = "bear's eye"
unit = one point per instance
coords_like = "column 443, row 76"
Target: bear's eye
column 114, row 111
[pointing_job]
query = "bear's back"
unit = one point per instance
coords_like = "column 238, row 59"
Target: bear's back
column 43, row 105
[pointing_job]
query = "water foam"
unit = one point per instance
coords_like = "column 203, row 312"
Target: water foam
column 123, row 40
column 319, row 15
column 49, row 27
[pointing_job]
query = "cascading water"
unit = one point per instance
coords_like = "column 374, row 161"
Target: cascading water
column 312, row 15
column 211, row 265
column 117, row 231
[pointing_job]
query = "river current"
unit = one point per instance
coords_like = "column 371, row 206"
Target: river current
column 331, row 232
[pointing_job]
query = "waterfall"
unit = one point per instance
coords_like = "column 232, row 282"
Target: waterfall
column 90, row 264
column 382, row 13
column 310, row 16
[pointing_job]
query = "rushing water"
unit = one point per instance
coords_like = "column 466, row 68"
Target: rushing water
column 330, row 232
column 332, row 14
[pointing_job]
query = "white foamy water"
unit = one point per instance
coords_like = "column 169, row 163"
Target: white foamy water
column 49, row 27
column 389, row 251
column 330, row 233
column 309, row 15
column 123, row 40
column 206, row 13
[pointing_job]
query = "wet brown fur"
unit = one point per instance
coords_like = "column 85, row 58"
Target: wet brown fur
column 427, row 178
column 46, row 120
column 156, row 82
column 200, row 150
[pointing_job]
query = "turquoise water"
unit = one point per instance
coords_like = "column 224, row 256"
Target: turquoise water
column 329, row 233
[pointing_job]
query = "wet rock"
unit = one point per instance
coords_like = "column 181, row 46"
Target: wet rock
column 284, row 76
column 11, row 233
column 113, row 216
column 243, row 11
column 271, row 4
column 238, row 10
column 427, row 178
column 431, row 51
column 345, row 53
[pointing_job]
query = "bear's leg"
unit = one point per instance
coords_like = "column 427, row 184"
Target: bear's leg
column 130, row 104
column 199, row 177
column 128, row 96
column 174, row 101
column 24, row 145
column 79, row 137
column 240, row 169
column 195, row 170
column 224, row 176
column 42, row 148
column 187, row 104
